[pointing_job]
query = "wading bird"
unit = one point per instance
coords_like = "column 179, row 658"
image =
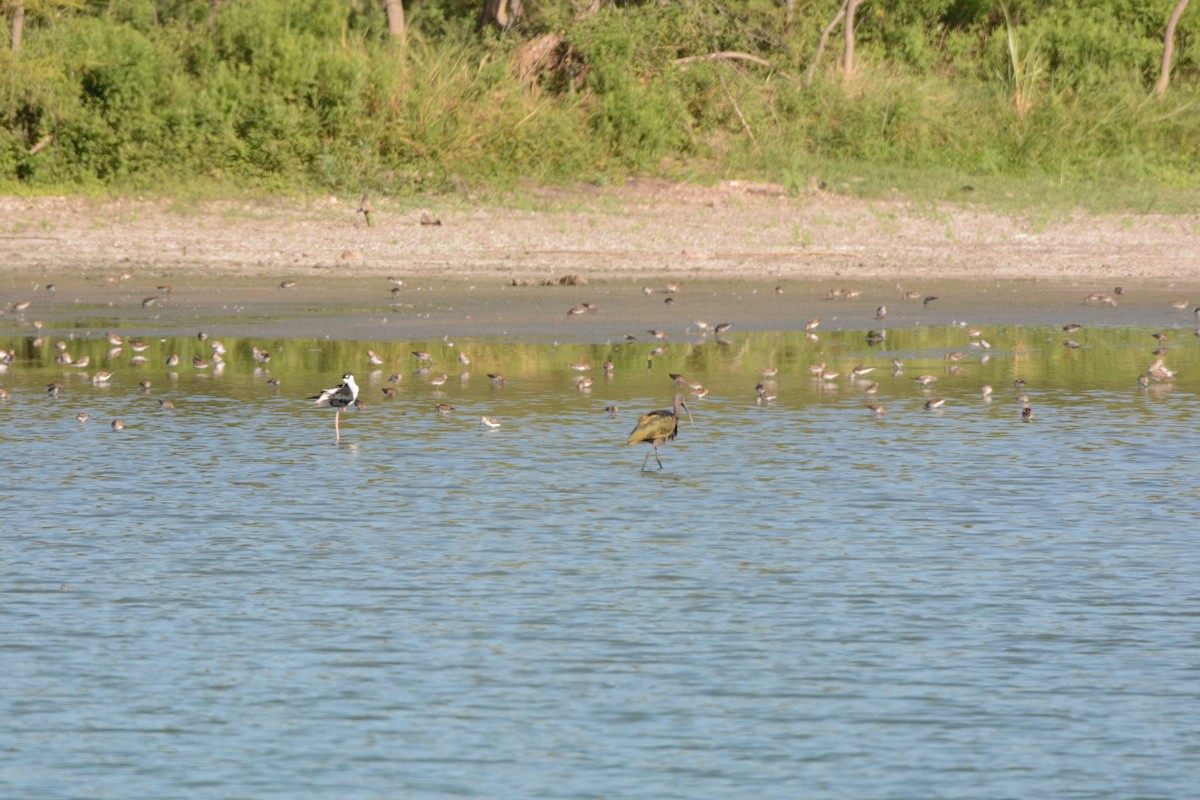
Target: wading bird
column 337, row 398
column 657, row 427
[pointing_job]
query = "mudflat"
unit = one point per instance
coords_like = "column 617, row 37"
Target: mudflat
column 500, row 269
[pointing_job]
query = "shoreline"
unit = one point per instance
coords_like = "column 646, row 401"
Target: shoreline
column 745, row 253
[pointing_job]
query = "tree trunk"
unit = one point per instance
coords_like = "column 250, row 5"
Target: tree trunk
column 395, row 18
column 1164, row 74
column 504, row 14
column 848, row 52
column 18, row 24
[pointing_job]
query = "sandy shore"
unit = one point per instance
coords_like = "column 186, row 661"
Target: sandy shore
column 730, row 238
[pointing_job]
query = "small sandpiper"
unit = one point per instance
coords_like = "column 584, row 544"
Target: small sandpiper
column 81, row 417
column 442, row 408
column 489, row 422
column 583, row 384
column 925, row 380
column 935, row 403
column 878, row 409
column 439, row 380
column 117, row 425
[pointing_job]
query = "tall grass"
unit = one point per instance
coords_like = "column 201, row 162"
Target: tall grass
column 297, row 95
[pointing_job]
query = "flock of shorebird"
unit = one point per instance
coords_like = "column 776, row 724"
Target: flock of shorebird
column 653, row 428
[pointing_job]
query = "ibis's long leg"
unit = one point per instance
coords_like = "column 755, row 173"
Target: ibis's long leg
column 646, row 459
column 656, row 458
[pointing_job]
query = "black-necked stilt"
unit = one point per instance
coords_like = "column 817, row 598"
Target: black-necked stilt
column 337, row 398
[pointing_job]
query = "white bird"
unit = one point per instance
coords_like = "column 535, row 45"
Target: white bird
column 337, row 398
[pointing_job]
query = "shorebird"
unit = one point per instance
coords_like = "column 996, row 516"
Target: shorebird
column 5, row 394
column 81, row 417
column 613, row 409
column 925, row 380
column 860, row 370
column 117, row 425
column 337, row 398
column 496, row 378
column 657, row 427
column 1071, row 327
column 575, row 311
column 53, row 389
column 871, row 388
column 173, row 360
column 439, row 380
column 580, row 366
column 199, row 363
column 166, row 405
column 583, row 384
column 878, row 409
column 490, row 423
column 422, row 357
column 657, row 334
column 935, row 403
column 608, row 368
column 769, row 372
column 373, row 359
column 81, row 362
column 812, row 324
column 390, row 392
column 101, row 378
column 986, row 391
column 464, row 359
column 721, row 327
column 1158, row 371
column 443, row 408
column 1027, row 414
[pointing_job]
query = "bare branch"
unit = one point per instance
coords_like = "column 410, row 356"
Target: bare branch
column 726, row 55
column 812, row 68
column 1164, row 74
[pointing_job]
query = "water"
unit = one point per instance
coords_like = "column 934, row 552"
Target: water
column 808, row 601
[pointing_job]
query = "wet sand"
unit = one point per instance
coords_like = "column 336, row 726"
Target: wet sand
column 479, row 272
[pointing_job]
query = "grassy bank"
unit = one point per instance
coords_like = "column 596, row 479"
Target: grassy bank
column 947, row 101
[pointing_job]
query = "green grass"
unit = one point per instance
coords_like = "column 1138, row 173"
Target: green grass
column 1038, row 116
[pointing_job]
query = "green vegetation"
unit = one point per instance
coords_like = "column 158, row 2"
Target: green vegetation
column 951, row 99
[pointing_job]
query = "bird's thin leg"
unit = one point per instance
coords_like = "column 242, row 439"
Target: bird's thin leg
column 656, row 458
column 337, row 429
column 645, row 460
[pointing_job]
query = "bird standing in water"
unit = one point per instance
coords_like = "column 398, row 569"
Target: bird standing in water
column 657, row 427
column 337, row 398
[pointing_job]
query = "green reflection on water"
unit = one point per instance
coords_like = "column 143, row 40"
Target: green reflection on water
column 1106, row 359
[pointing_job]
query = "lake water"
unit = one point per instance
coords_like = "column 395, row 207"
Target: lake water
column 809, row 600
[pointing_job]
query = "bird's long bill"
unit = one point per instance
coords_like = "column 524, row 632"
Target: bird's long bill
column 689, row 413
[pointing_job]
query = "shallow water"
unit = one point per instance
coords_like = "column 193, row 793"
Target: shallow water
column 807, row 601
